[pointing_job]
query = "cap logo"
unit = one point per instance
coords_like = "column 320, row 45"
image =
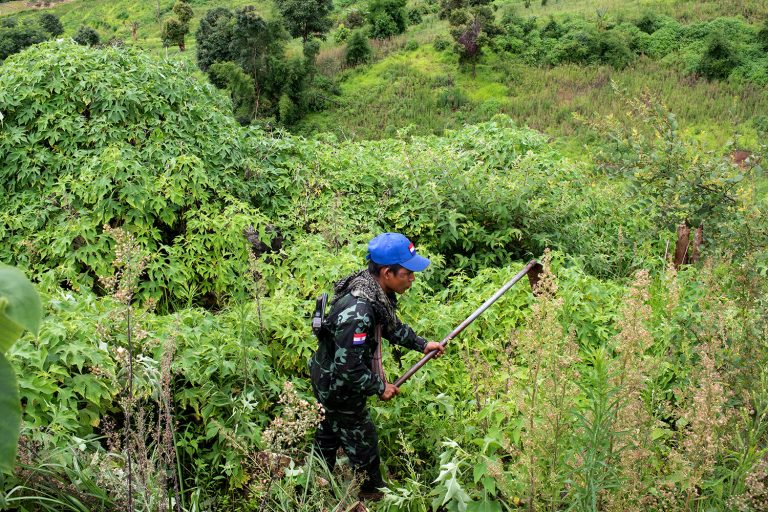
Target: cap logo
column 412, row 249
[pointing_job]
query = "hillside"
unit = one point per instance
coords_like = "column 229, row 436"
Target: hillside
column 179, row 254
column 415, row 86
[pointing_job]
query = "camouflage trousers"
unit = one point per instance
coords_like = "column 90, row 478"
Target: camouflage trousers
column 356, row 434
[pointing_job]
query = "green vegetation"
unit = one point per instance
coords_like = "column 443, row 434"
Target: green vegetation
column 179, row 252
column 175, row 29
column 19, row 310
column 179, row 235
column 15, row 35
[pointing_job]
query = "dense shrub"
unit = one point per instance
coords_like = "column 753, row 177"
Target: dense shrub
column 95, row 120
column 614, row 50
column 14, row 36
column 577, row 46
column 649, row 23
column 576, row 40
column 51, row 24
column 441, row 43
column 102, row 145
column 342, row 34
column 387, row 18
column 86, row 36
column 414, row 16
column 762, row 36
column 382, row 26
column 719, row 58
column 552, row 29
column 358, row 50
column 354, row 19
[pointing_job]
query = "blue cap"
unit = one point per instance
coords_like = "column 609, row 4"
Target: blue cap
column 395, row 249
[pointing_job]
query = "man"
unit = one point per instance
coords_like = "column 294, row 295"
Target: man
column 346, row 369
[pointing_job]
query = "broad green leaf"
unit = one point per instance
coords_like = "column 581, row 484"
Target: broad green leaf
column 19, row 306
column 484, row 506
column 10, row 415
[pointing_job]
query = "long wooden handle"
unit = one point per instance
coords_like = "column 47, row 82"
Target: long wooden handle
column 532, row 269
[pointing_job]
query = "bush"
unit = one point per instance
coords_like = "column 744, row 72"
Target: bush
column 453, row 98
column 86, row 36
column 354, row 19
column 637, row 40
column 411, row 45
column 552, row 29
column 16, row 37
column 577, row 46
column 342, row 34
column 762, row 36
column 614, row 50
column 387, row 18
column 648, row 23
column 358, row 50
column 51, row 24
column 441, row 43
column 665, row 40
column 178, row 193
column 719, row 59
column 414, row 16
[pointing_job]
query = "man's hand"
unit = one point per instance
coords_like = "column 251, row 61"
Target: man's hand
column 389, row 392
column 433, row 345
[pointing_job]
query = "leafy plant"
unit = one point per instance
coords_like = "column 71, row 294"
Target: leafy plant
column 19, row 310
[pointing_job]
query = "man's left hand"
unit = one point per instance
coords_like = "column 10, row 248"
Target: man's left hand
column 433, row 345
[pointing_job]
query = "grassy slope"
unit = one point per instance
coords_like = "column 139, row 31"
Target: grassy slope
column 406, row 89
column 112, row 18
column 413, row 88
column 425, row 89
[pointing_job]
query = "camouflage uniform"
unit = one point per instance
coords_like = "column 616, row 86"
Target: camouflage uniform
column 343, row 377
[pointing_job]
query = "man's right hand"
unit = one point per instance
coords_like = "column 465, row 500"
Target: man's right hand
column 389, row 392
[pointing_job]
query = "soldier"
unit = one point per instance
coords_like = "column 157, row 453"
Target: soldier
column 346, row 369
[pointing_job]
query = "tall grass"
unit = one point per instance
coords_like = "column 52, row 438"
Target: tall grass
column 416, row 89
column 683, row 10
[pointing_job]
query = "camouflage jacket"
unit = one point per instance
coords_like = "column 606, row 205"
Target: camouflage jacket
column 341, row 368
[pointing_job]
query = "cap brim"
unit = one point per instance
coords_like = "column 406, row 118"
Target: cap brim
column 416, row 264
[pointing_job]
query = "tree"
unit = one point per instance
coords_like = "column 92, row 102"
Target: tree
column 183, row 11
column 358, row 50
column 472, row 29
column 258, row 47
column 214, row 37
column 173, row 33
column 306, row 18
column 51, row 24
column 86, row 36
column 387, row 18
column 469, row 43
column 176, row 29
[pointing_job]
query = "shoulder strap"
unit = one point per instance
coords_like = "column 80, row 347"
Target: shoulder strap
column 378, row 367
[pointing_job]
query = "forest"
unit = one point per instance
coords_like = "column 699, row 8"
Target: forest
column 179, row 182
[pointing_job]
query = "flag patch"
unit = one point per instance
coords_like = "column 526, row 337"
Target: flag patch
column 358, row 338
column 412, row 249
